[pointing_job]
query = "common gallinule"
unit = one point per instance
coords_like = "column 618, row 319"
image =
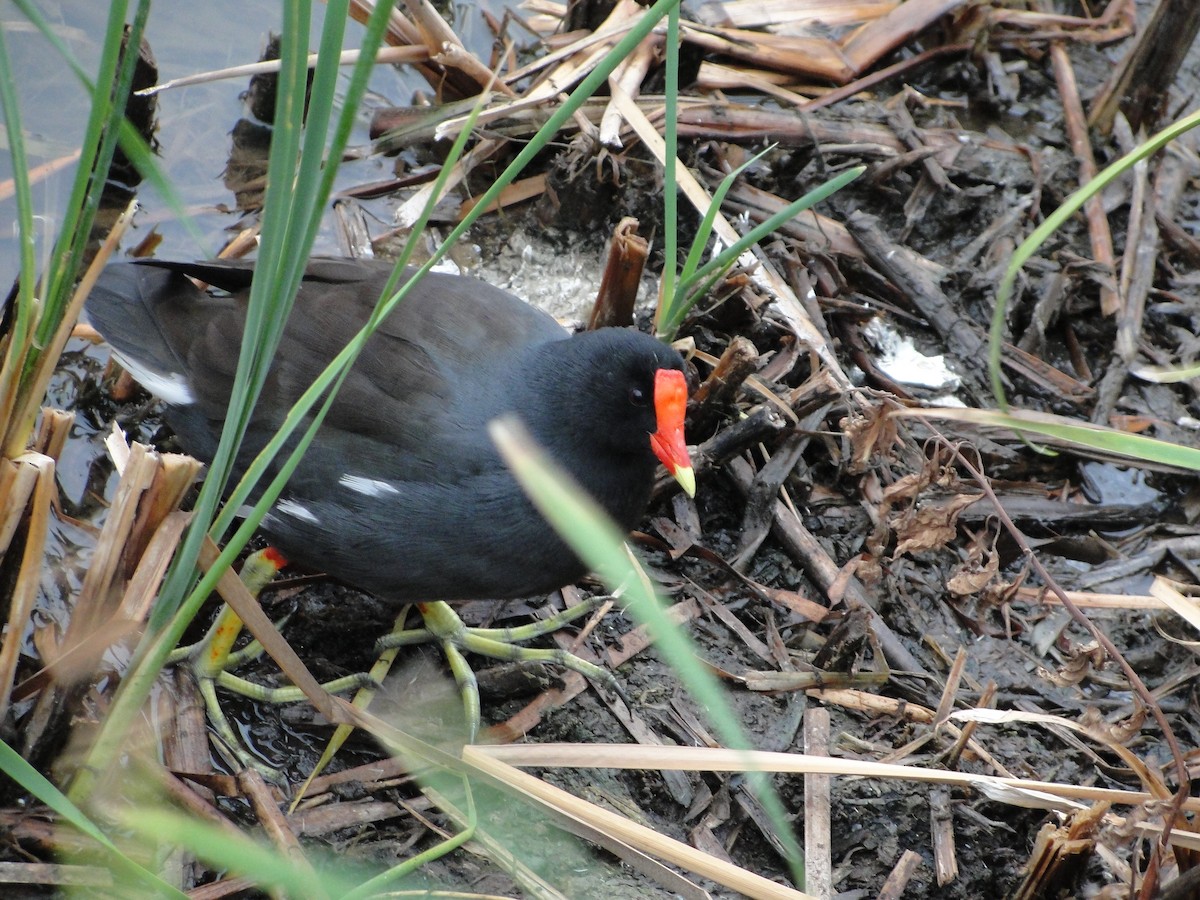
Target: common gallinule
column 402, row 493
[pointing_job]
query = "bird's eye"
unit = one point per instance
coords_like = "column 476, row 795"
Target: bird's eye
column 637, row 396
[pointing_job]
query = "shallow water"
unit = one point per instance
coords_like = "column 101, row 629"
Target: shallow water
column 194, row 122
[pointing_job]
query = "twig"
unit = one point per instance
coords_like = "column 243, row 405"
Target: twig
column 1081, row 146
column 1172, row 813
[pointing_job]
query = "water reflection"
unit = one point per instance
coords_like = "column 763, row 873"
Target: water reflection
column 194, row 122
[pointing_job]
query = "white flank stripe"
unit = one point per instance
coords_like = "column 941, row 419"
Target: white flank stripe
column 296, row 511
column 368, row 487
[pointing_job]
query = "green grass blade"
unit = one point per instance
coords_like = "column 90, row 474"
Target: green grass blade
column 670, row 184
column 264, row 867
column 34, row 783
column 1165, row 375
column 21, row 325
column 715, row 267
column 696, row 253
column 108, row 107
column 598, row 542
column 1134, row 447
column 1053, row 222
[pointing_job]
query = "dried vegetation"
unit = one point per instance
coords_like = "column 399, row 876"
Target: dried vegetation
column 974, row 665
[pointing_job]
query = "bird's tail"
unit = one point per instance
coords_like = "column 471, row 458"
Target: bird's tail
column 126, row 308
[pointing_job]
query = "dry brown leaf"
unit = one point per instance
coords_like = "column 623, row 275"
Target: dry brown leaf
column 978, row 571
column 908, row 486
column 1105, row 732
column 1082, row 662
column 871, row 434
column 973, row 576
column 930, row 526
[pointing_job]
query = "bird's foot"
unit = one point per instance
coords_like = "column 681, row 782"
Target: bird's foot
column 211, row 658
column 444, row 627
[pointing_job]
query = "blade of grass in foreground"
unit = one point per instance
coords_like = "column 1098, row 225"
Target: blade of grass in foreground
column 296, row 193
column 263, row 866
column 29, row 778
column 596, row 540
column 1135, row 447
column 692, row 288
column 1055, row 221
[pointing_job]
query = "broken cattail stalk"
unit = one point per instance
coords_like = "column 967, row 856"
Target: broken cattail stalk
column 104, row 615
column 627, row 253
column 36, row 489
column 54, row 428
column 737, row 363
column 1060, row 854
column 172, row 479
column 17, row 480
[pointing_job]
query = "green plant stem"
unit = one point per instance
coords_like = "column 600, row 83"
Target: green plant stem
column 1053, row 222
column 670, row 159
column 691, row 289
column 598, row 542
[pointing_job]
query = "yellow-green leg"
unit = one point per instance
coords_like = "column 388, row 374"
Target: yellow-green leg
column 213, row 655
column 443, row 626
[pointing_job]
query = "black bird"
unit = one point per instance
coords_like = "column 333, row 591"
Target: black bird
column 402, row 492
